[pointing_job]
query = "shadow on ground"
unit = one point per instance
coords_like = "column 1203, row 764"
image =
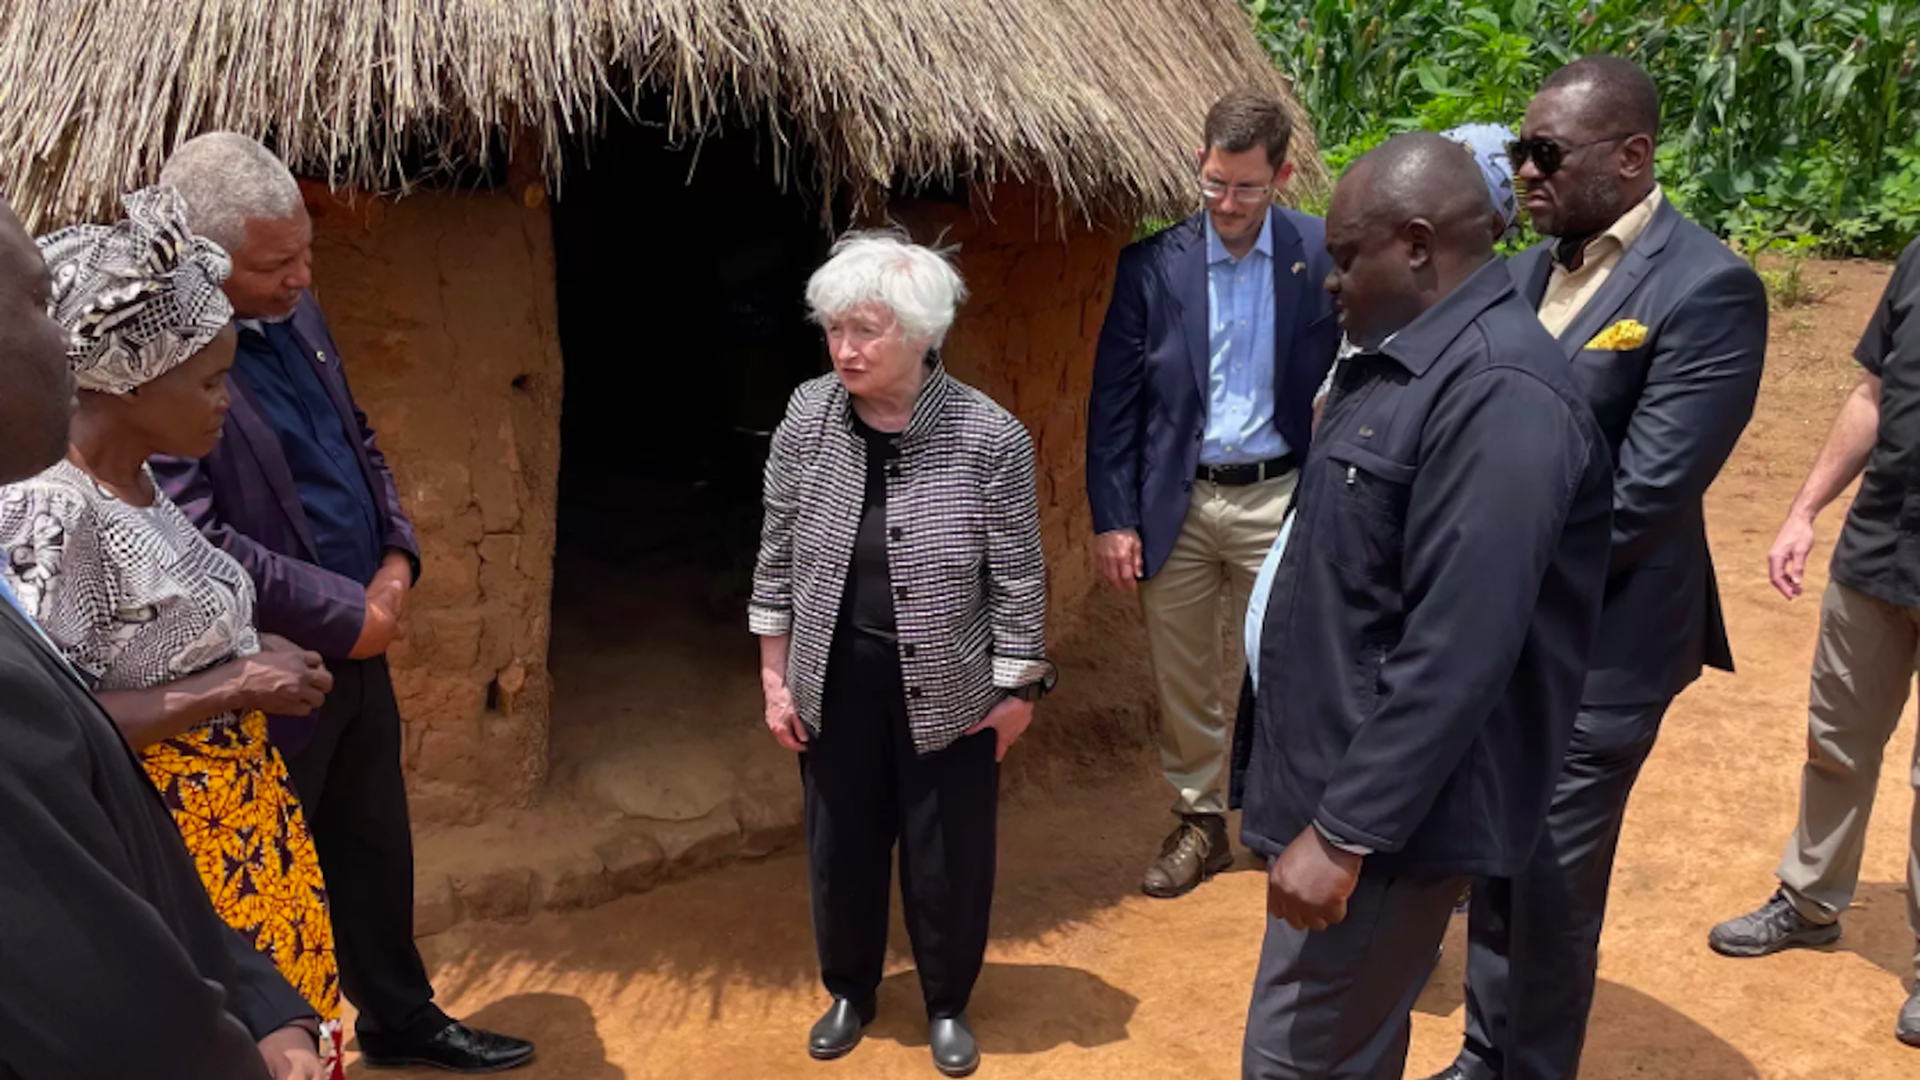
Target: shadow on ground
column 1875, row 928
column 1016, row 1009
column 1629, row 1035
column 562, row 1027
column 1633, row 1035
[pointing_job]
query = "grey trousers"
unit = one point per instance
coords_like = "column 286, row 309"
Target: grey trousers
column 1534, row 940
column 1335, row 1004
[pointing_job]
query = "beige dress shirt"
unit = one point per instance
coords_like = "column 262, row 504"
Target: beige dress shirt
column 1568, row 291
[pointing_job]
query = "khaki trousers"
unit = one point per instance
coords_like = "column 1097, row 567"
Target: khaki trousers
column 1190, row 606
column 1863, row 668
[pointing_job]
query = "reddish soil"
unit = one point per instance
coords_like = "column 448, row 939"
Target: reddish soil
column 714, row 977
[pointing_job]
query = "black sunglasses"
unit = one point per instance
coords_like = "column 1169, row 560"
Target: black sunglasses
column 1548, row 155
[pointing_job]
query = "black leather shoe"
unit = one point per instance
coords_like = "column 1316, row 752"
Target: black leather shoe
column 455, row 1048
column 1451, row 1072
column 835, row 1034
column 954, row 1051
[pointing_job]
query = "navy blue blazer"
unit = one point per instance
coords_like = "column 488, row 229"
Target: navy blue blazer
column 1147, row 415
column 1672, row 408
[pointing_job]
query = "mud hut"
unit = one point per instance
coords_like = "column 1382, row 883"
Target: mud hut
column 562, row 244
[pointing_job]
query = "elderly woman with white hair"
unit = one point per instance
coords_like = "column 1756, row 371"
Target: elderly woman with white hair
column 900, row 599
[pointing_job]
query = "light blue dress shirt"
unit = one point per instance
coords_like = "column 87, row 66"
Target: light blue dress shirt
column 1257, row 601
column 1240, row 335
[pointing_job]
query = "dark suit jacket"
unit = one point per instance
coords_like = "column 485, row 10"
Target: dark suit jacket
column 242, row 496
column 112, row 961
column 1147, row 415
column 1672, row 410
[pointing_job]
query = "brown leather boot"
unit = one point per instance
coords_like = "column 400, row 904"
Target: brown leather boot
column 1196, row 850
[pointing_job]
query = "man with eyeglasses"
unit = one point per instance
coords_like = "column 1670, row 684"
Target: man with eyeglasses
column 1665, row 331
column 1217, row 336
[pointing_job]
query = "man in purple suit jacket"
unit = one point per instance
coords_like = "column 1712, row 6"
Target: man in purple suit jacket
column 297, row 492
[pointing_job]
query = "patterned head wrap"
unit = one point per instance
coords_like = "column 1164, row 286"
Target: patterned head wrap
column 1488, row 144
column 140, row 296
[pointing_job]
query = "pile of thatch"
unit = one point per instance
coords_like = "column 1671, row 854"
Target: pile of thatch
column 1101, row 100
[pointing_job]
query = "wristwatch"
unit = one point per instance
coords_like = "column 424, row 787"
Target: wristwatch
column 1031, row 692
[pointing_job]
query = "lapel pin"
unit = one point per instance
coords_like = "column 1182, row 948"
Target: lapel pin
column 1299, row 266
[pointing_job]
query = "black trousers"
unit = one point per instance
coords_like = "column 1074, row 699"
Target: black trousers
column 1534, row 940
column 355, row 799
column 866, row 788
column 1336, row 1004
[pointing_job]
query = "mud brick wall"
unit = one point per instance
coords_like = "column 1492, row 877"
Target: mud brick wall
column 443, row 306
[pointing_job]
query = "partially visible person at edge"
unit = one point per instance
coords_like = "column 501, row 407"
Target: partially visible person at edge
column 1203, row 386
column 157, row 620
column 1450, row 556
column 1488, row 144
column 112, row 960
column 1864, row 662
column 1665, row 331
column 900, row 600
column 298, row 492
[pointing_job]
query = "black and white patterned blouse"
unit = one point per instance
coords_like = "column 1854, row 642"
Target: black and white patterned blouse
column 963, row 536
column 134, row 596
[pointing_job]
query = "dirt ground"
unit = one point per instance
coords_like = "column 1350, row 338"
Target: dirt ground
column 714, row 977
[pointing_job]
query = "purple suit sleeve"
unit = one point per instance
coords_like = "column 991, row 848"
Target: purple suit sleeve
column 307, row 604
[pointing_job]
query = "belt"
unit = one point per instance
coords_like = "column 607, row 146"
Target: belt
column 1241, row 475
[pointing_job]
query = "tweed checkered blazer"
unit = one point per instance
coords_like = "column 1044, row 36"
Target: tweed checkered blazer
column 963, row 551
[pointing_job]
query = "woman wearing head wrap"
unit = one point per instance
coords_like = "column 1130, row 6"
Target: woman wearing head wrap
column 152, row 616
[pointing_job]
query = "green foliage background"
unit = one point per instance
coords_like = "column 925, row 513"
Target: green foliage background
column 1785, row 121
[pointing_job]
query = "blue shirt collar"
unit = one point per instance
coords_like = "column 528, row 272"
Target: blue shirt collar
column 1217, row 248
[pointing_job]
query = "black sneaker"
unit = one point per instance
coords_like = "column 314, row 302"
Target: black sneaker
column 1776, row 925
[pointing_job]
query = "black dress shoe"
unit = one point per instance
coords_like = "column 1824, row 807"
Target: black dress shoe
column 837, row 1032
column 455, row 1048
column 1451, row 1072
column 954, row 1051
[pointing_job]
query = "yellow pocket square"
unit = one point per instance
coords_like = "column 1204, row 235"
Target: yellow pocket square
column 1623, row 335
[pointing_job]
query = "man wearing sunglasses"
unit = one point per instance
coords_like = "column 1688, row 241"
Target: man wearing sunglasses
column 1216, row 338
column 1665, row 331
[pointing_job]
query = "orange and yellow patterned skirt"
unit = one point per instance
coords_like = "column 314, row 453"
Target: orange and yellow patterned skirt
column 235, row 805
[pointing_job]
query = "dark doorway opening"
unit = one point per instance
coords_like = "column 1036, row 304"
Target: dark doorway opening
column 680, row 269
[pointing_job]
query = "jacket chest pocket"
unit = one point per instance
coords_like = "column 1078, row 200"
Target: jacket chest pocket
column 1366, row 512
column 1612, row 381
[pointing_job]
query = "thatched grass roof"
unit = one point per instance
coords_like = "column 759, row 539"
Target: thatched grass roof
column 1101, row 100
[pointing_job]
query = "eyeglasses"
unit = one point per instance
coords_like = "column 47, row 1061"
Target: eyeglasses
column 1548, row 155
column 1244, row 194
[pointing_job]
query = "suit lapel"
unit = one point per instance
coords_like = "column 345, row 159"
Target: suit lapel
column 1288, row 251
column 310, row 330
column 1188, row 269
column 1532, row 269
column 1620, row 284
column 264, row 444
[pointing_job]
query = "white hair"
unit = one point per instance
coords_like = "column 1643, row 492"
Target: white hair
column 228, row 180
column 918, row 284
